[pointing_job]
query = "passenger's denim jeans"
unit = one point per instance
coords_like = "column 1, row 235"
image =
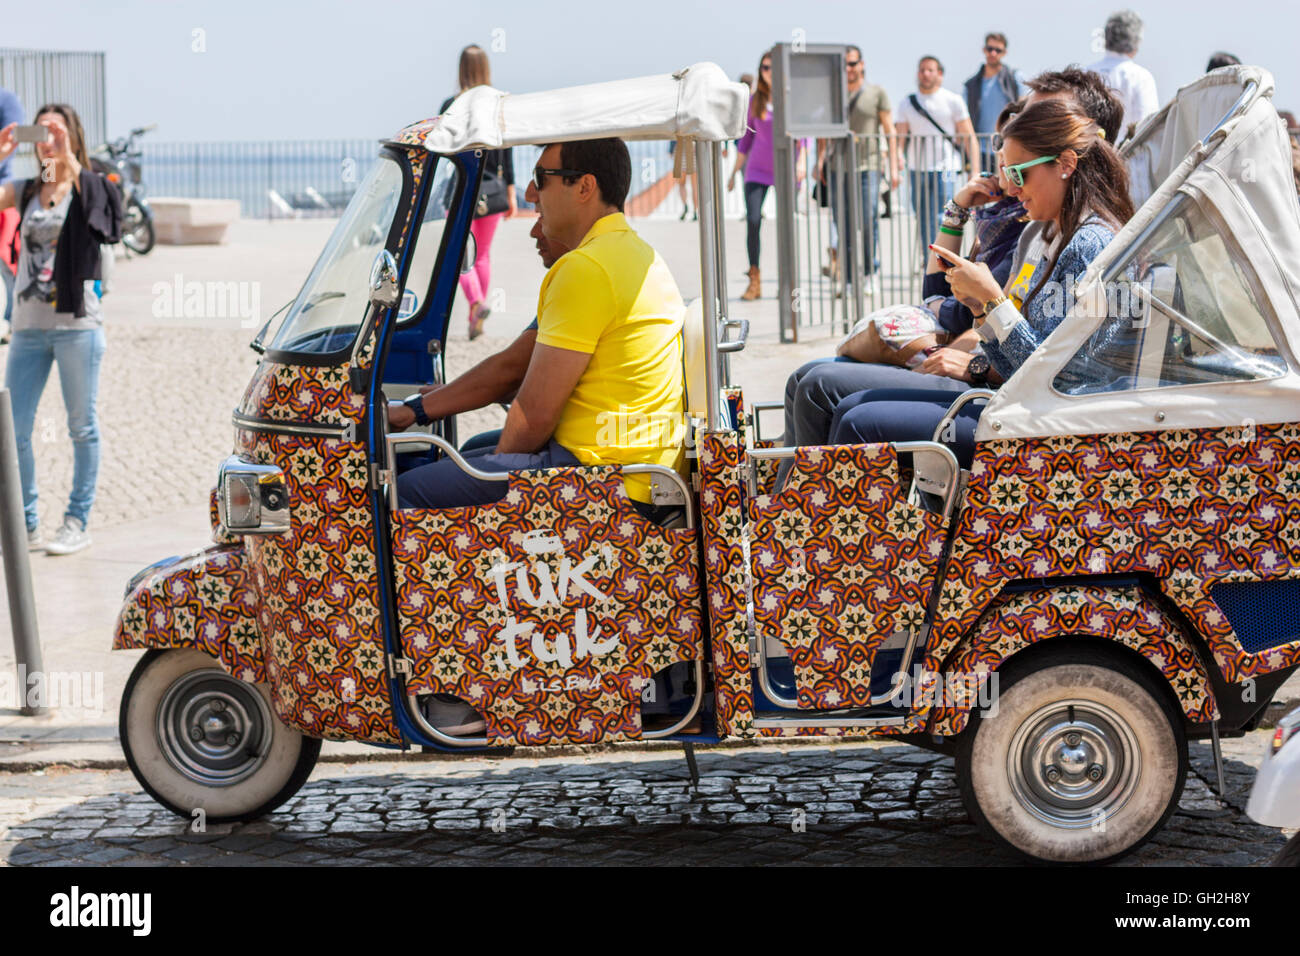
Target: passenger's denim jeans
column 79, row 353
column 931, row 190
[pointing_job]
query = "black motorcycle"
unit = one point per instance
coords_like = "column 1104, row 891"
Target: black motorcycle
column 119, row 161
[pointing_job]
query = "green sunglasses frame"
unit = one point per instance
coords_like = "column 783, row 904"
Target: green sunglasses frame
column 1016, row 173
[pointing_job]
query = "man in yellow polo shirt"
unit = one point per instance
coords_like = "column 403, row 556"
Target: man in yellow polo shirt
column 604, row 385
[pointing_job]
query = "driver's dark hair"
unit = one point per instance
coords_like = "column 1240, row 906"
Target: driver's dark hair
column 606, row 159
column 1090, row 91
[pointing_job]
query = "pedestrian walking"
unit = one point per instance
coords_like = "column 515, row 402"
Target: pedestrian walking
column 871, row 121
column 940, row 145
column 11, row 111
column 756, row 158
column 988, row 93
column 66, row 214
column 1134, row 84
column 496, row 200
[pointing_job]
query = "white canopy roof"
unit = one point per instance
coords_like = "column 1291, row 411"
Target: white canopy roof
column 697, row 103
column 1242, row 176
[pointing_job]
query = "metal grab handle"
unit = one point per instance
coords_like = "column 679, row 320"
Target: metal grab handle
column 423, row 438
column 742, row 335
column 957, row 405
column 757, row 407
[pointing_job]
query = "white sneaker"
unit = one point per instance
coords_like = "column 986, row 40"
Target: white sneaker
column 70, row 538
column 452, row 715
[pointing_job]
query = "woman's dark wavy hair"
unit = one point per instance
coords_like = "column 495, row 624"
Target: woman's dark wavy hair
column 1099, row 185
column 762, row 94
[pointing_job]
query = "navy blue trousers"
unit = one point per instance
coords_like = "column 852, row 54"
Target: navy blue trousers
column 904, row 414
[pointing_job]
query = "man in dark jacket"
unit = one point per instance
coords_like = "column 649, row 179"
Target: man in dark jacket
column 989, row 91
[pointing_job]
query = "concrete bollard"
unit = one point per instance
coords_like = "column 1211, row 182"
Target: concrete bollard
column 18, row 571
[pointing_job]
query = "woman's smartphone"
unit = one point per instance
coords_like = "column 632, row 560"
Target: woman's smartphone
column 32, row 134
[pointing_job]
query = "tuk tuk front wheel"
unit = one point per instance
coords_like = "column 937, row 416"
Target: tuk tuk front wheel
column 1082, row 759
column 197, row 738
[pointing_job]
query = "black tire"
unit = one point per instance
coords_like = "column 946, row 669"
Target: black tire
column 1074, row 712
column 176, row 690
column 1289, row 855
column 137, row 228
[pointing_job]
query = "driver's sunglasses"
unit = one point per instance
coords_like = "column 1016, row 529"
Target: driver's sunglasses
column 540, row 174
column 994, row 49
column 1016, row 173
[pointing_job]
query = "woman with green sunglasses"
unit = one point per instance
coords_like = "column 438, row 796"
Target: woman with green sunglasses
column 1067, row 176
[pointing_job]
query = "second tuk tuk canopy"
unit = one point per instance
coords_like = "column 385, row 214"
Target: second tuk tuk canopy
column 1211, row 263
column 696, row 103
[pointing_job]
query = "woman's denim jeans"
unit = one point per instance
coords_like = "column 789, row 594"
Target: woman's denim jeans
column 78, row 352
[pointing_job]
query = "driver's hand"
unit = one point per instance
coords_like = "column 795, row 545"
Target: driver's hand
column 400, row 416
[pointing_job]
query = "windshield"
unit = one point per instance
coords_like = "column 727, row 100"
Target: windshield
column 327, row 312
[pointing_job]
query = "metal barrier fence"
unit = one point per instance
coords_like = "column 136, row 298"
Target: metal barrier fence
column 317, row 177
column 885, row 242
column 38, row 77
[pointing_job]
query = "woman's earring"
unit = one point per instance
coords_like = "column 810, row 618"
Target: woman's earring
column 1064, row 176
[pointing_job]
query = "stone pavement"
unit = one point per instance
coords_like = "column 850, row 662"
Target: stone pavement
column 875, row 803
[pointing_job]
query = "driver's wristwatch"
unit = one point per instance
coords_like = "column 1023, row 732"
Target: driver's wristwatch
column 416, row 404
column 978, row 370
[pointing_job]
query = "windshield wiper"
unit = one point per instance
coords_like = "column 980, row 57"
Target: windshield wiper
column 256, row 345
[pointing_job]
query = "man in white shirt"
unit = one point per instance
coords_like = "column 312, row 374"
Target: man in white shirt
column 1134, row 84
column 940, row 129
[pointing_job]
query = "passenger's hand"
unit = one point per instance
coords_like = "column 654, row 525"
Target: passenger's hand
column 950, row 363
column 8, row 143
column 978, row 192
column 969, row 281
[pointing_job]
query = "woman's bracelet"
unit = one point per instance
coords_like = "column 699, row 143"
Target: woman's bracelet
column 955, row 215
column 949, row 231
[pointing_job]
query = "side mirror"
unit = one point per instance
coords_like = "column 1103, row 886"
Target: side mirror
column 383, row 280
column 471, row 254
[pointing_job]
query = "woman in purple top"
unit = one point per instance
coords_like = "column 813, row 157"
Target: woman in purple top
column 754, row 154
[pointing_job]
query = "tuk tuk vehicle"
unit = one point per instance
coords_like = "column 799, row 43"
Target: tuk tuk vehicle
column 1114, row 574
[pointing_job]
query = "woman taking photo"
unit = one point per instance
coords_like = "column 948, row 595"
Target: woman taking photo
column 755, row 156
column 66, row 214
column 496, row 199
column 1063, row 171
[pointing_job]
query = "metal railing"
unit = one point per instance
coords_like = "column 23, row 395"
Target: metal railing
column 307, row 178
column 885, row 241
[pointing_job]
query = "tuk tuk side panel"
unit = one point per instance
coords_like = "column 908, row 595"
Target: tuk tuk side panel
column 1191, row 508
column 549, row 610
column 722, row 523
column 840, row 561
column 1017, row 620
column 320, row 619
column 203, row 600
column 766, row 469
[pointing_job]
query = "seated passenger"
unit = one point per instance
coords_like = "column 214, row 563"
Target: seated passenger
column 1067, row 175
column 815, row 390
column 608, row 350
column 495, row 379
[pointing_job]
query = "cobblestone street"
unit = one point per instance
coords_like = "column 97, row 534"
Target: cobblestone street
column 875, row 804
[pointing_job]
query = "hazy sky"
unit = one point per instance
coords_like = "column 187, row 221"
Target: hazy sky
column 298, row 70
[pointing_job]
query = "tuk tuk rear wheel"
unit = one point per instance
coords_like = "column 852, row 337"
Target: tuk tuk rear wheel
column 197, row 738
column 1082, row 761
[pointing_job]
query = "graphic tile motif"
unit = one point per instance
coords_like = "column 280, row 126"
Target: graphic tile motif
column 548, row 610
column 840, row 561
column 1189, row 507
column 320, row 623
column 1018, row 619
column 203, row 600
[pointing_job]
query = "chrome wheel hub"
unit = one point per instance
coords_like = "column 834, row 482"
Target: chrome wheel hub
column 1074, row 763
column 214, row 729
